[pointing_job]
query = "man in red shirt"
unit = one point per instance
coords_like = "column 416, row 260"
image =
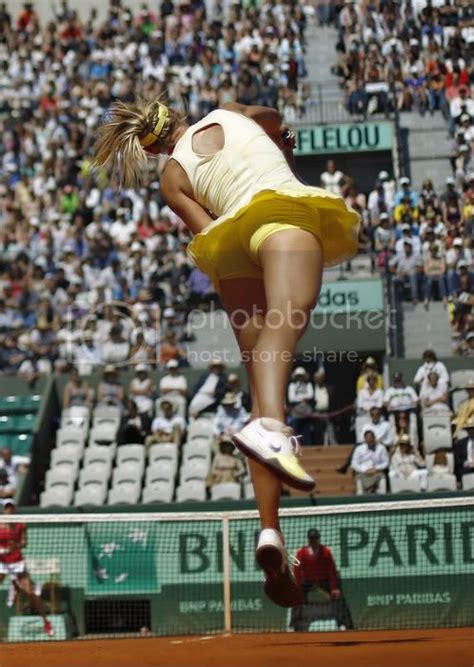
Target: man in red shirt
column 12, row 541
column 316, row 574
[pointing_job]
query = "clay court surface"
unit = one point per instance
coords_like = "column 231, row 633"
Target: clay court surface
column 413, row 648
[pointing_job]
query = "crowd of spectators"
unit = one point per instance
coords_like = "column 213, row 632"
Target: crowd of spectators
column 422, row 239
column 389, row 420
column 152, row 414
column 406, row 55
column 71, row 244
column 415, row 55
column 389, row 427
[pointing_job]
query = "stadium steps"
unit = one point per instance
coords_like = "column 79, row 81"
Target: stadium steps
column 321, row 463
column 426, row 329
column 212, row 332
column 427, row 146
column 320, row 57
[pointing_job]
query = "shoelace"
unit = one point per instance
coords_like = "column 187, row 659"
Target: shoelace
column 292, row 560
column 294, row 440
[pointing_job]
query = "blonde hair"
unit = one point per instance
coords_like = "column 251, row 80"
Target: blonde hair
column 118, row 146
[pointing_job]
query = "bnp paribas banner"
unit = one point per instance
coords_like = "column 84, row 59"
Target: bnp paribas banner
column 397, row 569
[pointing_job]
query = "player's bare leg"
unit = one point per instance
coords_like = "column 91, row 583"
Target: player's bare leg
column 24, row 584
column 292, row 266
column 245, row 303
column 249, row 299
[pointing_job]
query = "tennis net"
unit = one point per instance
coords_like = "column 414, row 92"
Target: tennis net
column 393, row 565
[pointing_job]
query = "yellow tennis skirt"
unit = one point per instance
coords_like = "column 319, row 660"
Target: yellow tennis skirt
column 228, row 247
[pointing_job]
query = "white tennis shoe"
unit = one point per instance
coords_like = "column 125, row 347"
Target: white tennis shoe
column 280, row 584
column 273, row 444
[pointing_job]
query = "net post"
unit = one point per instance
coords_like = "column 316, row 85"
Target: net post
column 226, row 573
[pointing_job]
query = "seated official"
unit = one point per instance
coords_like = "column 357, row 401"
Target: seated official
column 316, row 574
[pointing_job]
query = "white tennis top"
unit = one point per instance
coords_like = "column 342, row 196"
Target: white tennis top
column 249, row 163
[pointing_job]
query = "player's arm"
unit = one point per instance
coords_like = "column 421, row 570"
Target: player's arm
column 23, row 539
column 177, row 192
column 298, row 568
column 332, row 573
column 270, row 120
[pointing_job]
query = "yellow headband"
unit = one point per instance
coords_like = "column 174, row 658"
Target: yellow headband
column 152, row 136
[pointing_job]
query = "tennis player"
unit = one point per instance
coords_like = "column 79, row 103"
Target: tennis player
column 263, row 237
column 12, row 541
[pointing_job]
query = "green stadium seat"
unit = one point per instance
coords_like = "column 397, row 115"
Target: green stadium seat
column 17, row 405
column 21, row 444
column 23, row 423
column 6, row 424
column 5, row 440
column 30, row 403
column 10, row 405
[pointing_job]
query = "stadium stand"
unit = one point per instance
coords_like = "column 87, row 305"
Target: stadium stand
column 73, row 243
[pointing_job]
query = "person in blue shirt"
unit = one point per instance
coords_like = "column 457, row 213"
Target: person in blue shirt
column 406, row 191
column 417, row 89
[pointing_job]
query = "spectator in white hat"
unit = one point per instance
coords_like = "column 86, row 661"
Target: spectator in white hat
column 406, row 191
column 301, row 405
column 230, row 418
column 407, row 233
column 454, row 255
column 467, row 346
column 388, row 187
column 384, row 237
column 406, row 463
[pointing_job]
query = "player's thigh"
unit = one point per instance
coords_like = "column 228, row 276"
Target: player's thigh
column 24, row 583
column 245, row 303
column 292, row 262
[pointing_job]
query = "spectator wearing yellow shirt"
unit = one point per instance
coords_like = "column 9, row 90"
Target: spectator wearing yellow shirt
column 465, row 411
column 369, row 367
column 406, row 211
column 468, row 213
